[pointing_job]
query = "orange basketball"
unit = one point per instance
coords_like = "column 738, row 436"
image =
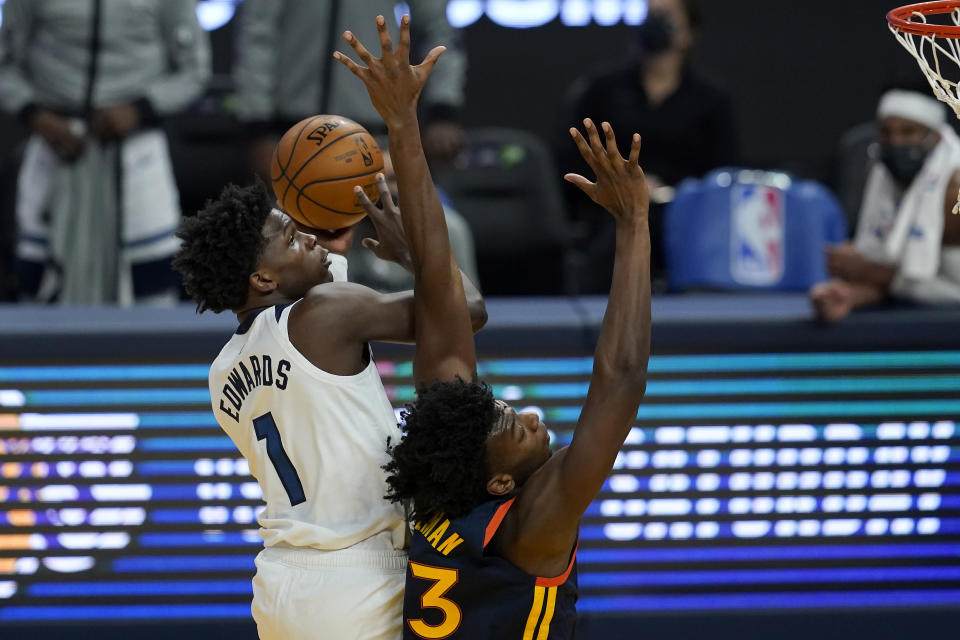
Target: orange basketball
column 315, row 167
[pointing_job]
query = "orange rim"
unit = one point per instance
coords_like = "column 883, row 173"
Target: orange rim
column 899, row 19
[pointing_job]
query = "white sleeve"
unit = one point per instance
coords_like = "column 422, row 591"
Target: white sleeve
column 936, row 290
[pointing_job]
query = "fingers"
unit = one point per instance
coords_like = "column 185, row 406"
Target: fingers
column 403, row 51
column 612, row 152
column 594, row 138
column 354, row 68
column 431, row 59
column 361, row 50
column 635, row 150
column 584, row 148
column 365, row 202
column 386, row 200
column 386, row 44
column 371, row 244
column 579, row 181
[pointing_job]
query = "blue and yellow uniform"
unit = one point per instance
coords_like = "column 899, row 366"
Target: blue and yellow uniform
column 455, row 589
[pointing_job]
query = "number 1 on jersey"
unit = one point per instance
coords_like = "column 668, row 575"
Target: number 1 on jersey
column 266, row 429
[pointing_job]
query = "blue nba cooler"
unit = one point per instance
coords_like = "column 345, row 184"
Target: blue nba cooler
column 739, row 229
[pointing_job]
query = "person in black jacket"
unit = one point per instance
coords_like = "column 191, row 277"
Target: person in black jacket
column 687, row 122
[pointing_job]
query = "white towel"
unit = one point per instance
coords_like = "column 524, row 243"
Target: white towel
column 906, row 233
column 67, row 215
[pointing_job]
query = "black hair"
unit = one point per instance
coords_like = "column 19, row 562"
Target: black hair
column 222, row 245
column 440, row 463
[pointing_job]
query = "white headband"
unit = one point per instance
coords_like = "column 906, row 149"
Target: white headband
column 914, row 106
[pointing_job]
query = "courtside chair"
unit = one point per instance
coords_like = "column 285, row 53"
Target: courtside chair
column 507, row 187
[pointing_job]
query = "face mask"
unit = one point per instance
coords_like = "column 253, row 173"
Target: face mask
column 655, row 35
column 904, row 161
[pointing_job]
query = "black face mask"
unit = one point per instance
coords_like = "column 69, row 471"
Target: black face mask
column 655, row 35
column 904, row 161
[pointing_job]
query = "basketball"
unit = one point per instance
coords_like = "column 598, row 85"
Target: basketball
column 315, row 167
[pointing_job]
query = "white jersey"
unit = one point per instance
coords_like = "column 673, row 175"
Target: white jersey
column 315, row 441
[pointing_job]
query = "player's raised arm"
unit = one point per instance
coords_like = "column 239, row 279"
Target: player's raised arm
column 391, row 245
column 623, row 347
column 444, row 337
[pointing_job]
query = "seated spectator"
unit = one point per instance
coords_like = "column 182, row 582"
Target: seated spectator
column 97, row 203
column 686, row 121
column 907, row 243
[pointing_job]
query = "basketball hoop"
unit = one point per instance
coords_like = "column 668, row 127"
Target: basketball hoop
column 935, row 45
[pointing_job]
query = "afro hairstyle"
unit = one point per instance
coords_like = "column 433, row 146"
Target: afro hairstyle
column 440, row 463
column 221, row 247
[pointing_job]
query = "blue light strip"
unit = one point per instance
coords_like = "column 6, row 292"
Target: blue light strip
column 766, row 576
column 770, row 553
column 790, row 600
column 756, row 386
column 153, row 612
column 198, row 444
column 118, row 373
column 947, row 502
column 101, row 397
column 529, row 366
column 190, row 539
column 193, row 564
column 165, row 467
column 746, row 386
column 723, row 463
column 725, row 530
column 178, row 419
column 174, row 516
column 159, row 588
column 729, row 363
column 176, row 492
column 951, row 479
column 803, row 361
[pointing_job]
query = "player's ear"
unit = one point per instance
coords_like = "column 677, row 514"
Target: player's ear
column 500, row 484
column 261, row 282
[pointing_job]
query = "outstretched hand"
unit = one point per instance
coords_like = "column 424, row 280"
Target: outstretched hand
column 390, row 244
column 393, row 83
column 621, row 187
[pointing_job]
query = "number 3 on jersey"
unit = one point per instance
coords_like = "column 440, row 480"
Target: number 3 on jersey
column 266, row 429
column 443, row 581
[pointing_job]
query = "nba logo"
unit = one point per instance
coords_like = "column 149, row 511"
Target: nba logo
column 756, row 234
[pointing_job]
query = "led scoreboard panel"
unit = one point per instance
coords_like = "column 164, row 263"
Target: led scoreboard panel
column 751, row 481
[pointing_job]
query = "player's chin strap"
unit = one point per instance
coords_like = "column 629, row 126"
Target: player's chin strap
column 338, row 266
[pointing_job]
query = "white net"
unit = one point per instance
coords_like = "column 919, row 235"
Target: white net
column 936, row 56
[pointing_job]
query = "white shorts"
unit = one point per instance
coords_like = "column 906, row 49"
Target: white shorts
column 354, row 594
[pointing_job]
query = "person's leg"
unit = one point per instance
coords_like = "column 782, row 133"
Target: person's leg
column 155, row 282
column 32, row 251
column 150, row 216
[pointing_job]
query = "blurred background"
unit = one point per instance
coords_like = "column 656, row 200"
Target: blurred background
column 795, row 466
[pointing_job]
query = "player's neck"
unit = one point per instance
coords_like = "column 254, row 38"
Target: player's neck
column 260, row 303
